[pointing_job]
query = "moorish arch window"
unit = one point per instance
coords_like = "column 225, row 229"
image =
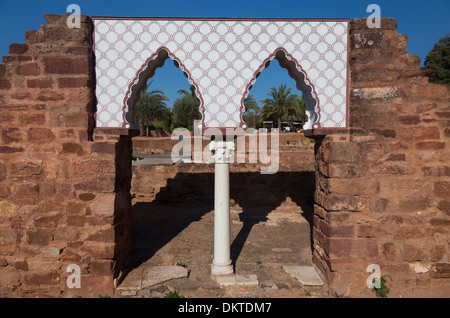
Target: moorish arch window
column 222, row 59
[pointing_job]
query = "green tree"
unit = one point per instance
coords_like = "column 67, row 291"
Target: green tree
column 150, row 107
column 251, row 106
column 279, row 104
column 439, row 61
column 298, row 111
column 186, row 109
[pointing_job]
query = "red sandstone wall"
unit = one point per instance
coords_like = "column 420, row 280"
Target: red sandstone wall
column 58, row 191
column 383, row 188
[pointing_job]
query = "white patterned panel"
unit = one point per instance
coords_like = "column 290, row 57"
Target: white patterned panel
column 221, row 58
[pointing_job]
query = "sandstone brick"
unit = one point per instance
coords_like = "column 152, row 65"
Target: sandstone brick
column 3, row 172
column 8, row 237
column 26, row 168
column 430, row 145
column 2, row 70
column 63, row 65
column 440, row 222
column 75, row 207
column 40, row 83
column 440, row 270
column 72, row 148
column 86, row 196
column 76, row 220
column 412, row 231
column 50, row 96
column 98, row 184
column 383, row 93
column 103, row 205
column 341, row 152
column 4, row 189
column 102, row 268
column 366, row 230
column 20, row 264
column 74, row 82
column 48, row 221
column 32, row 119
column 385, row 24
column 442, row 189
column 389, row 250
column 436, row 171
column 396, row 157
column 40, row 135
column 9, row 277
column 26, row 193
column 437, row 253
column 103, row 148
column 68, row 255
column 65, row 116
column 444, row 205
column 411, row 253
column 413, row 204
column 420, row 133
column 345, row 248
column 79, row 50
column 99, row 250
column 5, row 84
column 18, row 48
column 41, row 237
column 41, row 277
column 29, row 69
column 386, row 133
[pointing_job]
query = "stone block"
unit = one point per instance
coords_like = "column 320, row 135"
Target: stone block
column 103, row 205
column 420, row 133
column 28, row 69
column 64, row 65
column 41, row 277
column 65, row 116
column 18, row 48
column 72, row 148
column 26, row 168
column 74, row 82
column 41, row 237
column 40, row 135
column 40, row 83
column 104, row 148
column 442, row 189
column 430, row 145
column 412, row 253
column 306, row 275
column 5, row 84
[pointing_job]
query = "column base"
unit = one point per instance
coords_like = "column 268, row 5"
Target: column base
column 221, row 269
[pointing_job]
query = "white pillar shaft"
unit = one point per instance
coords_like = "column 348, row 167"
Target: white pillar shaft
column 222, row 261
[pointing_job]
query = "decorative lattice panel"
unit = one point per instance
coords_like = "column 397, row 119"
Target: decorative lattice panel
column 221, row 58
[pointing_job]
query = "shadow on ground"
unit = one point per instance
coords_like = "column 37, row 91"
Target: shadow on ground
column 155, row 224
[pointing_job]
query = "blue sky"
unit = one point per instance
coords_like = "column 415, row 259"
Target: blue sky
column 424, row 22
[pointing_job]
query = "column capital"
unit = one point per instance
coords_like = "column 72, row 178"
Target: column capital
column 222, row 150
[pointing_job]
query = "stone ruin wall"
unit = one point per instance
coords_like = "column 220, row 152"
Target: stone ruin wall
column 382, row 187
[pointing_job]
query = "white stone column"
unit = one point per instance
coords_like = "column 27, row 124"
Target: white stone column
column 222, row 152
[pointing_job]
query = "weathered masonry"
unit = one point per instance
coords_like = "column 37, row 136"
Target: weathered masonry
column 382, row 179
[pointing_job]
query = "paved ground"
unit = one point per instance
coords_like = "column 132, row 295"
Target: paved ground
column 264, row 239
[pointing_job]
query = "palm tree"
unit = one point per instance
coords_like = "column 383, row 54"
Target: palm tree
column 298, row 111
column 150, row 107
column 279, row 104
column 186, row 108
column 251, row 104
